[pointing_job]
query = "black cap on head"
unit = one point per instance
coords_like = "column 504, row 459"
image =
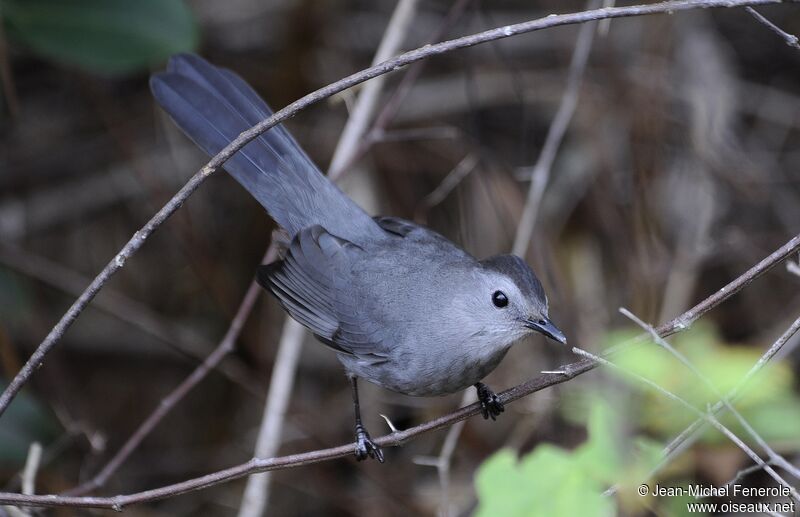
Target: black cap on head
column 520, row 272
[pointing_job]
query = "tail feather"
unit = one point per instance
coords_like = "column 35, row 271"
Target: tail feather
column 213, row 106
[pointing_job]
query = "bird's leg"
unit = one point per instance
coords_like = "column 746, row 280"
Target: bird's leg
column 365, row 447
column 490, row 403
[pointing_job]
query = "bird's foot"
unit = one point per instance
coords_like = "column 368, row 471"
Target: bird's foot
column 490, row 403
column 365, row 447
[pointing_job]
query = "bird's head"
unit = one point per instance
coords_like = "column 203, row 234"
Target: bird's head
column 513, row 302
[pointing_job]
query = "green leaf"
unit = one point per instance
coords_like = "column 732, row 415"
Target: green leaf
column 724, row 366
column 600, row 456
column 105, row 36
column 549, row 481
column 501, row 489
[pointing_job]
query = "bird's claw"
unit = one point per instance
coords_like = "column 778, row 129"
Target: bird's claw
column 491, row 406
column 365, row 447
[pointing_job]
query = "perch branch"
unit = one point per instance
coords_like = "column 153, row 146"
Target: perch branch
column 393, row 439
column 225, row 347
column 138, row 239
column 257, row 489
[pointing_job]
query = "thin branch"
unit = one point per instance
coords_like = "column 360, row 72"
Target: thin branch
column 706, row 416
column 256, row 493
column 183, row 339
column 538, row 383
column 774, row 457
column 555, row 134
column 541, row 172
column 361, row 115
column 31, row 467
column 790, row 39
column 741, row 474
column 451, row 181
column 793, row 267
column 692, row 432
column 225, row 346
column 138, row 239
column 28, row 478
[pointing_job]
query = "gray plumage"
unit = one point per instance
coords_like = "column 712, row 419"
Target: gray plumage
column 403, row 307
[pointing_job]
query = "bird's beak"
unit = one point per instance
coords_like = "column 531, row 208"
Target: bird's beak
column 544, row 326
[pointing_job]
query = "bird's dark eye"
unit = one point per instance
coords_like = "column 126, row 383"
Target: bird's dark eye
column 499, row 299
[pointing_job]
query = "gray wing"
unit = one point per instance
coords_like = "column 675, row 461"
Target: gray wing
column 313, row 284
column 396, row 225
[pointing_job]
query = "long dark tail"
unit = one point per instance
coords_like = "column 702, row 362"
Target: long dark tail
column 213, row 106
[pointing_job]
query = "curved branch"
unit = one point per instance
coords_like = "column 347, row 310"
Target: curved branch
column 138, row 239
column 535, row 384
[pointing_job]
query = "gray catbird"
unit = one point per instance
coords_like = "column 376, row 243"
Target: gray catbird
column 402, row 306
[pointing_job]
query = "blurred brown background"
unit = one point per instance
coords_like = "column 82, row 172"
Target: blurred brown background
column 679, row 170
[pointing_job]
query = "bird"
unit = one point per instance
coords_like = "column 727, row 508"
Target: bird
column 401, row 305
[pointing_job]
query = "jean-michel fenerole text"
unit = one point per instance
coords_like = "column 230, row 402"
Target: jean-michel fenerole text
column 732, row 490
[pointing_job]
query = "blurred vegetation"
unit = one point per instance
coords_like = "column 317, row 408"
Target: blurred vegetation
column 28, row 421
column 554, row 481
column 102, row 36
column 769, row 402
column 626, row 431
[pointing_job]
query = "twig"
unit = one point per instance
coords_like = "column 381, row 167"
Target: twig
column 555, row 134
column 256, row 494
column 741, row 474
column 378, row 131
column 361, row 115
column 567, row 372
column 533, row 385
column 793, row 267
column 138, row 239
column 28, row 478
column 525, row 228
column 225, row 346
column 442, row 461
column 31, row 467
column 706, row 416
column 690, row 434
column 295, row 460
column 451, row 181
column 774, row 457
column 790, row 39
column 184, row 340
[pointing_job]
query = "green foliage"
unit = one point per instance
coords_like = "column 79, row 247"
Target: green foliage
column 768, row 402
column 103, row 36
column 556, row 482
